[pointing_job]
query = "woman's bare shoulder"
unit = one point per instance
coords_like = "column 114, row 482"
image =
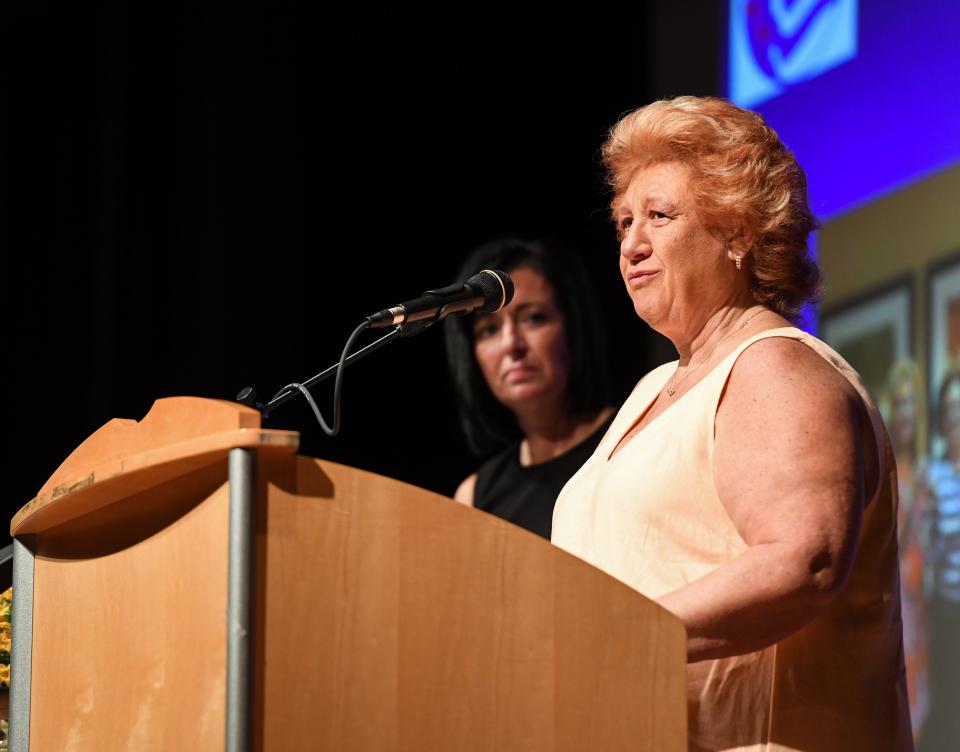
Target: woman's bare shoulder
column 781, row 392
column 464, row 492
column 788, row 369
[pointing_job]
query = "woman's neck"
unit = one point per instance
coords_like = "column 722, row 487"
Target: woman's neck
column 548, row 436
column 697, row 344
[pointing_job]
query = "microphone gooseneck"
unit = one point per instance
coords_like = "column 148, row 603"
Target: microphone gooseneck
column 488, row 291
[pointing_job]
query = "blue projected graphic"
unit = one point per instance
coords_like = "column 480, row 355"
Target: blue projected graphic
column 867, row 95
column 777, row 43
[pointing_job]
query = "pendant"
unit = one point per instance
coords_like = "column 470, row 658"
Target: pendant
column 670, row 391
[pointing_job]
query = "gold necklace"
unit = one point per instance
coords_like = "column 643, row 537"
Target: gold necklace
column 671, row 390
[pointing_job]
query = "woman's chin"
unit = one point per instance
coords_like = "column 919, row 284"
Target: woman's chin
column 516, row 396
column 649, row 314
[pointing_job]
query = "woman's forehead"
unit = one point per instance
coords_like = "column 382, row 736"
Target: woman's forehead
column 660, row 181
column 529, row 278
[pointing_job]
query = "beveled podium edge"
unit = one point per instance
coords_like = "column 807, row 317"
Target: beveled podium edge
column 56, row 501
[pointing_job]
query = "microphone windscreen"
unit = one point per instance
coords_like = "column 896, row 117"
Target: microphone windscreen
column 495, row 286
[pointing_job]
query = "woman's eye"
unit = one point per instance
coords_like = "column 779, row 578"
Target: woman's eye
column 484, row 331
column 658, row 215
column 534, row 317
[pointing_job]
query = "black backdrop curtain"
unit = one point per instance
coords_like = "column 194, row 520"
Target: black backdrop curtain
column 200, row 198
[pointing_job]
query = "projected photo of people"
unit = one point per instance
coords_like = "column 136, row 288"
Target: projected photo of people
column 943, row 477
column 903, row 336
column 873, row 333
column 900, row 405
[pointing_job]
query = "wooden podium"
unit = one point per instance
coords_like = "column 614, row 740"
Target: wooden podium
column 189, row 582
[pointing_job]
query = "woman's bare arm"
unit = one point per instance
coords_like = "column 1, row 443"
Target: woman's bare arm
column 788, row 468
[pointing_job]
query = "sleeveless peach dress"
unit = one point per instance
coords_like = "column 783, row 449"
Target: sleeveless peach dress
column 650, row 516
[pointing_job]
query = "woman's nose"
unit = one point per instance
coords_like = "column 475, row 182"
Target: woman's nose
column 515, row 342
column 634, row 245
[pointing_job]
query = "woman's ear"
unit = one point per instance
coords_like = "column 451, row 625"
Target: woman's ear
column 739, row 244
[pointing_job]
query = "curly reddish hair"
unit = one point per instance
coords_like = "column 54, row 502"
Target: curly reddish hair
column 744, row 180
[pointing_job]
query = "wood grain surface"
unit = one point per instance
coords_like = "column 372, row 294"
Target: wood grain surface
column 421, row 624
column 385, row 617
column 129, row 645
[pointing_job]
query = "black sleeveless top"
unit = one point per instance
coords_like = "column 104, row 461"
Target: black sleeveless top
column 525, row 495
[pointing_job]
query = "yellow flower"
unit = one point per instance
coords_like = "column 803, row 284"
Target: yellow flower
column 6, row 601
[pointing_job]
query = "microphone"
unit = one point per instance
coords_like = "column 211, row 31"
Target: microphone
column 488, row 291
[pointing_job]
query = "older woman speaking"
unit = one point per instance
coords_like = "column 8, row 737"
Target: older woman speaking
column 748, row 487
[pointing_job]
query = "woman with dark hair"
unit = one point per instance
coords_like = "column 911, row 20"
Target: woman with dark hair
column 530, row 381
column 749, row 486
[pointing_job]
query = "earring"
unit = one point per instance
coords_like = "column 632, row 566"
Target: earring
column 739, row 262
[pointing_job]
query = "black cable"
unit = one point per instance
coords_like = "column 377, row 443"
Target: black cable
column 248, row 395
column 337, row 387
